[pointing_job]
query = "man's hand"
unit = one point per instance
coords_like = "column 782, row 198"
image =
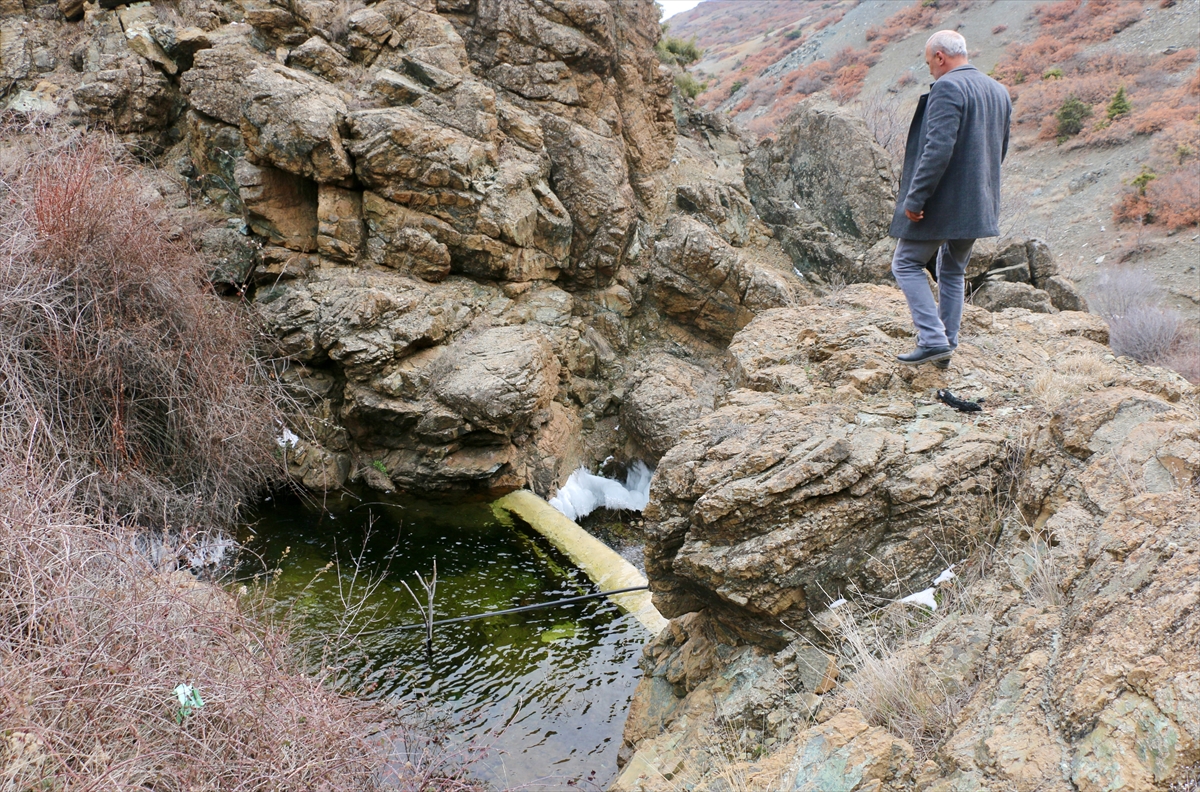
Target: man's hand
column 916, row 217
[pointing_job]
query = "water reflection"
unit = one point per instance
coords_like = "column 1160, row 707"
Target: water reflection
column 547, row 689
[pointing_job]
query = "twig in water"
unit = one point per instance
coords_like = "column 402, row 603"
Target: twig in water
column 426, row 610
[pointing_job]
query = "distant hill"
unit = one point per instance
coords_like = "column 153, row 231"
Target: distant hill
column 1105, row 180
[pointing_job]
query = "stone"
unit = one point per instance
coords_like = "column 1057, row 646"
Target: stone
column 317, row 468
column 1042, row 266
column 402, row 156
column 317, row 56
column 72, row 10
column 499, row 379
column 717, row 205
column 368, row 32
column 215, row 149
column 1063, row 294
column 216, row 84
column 826, row 188
column 42, row 100
column 846, row 753
column 230, row 256
column 137, row 22
column 592, row 181
column 341, row 232
column 133, row 98
column 14, row 50
column 404, row 240
column 279, row 205
column 699, row 279
column 1013, row 273
column 666, row 397
column 292, row 120
column 395, row 89
column 997, row 295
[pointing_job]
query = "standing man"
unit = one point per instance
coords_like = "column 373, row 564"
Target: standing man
column 949, row 191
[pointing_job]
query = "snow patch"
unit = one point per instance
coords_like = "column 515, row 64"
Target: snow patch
column 947, row 574
column 837, row 603
column 585, row 492
column 287, row 438
column 925, row 598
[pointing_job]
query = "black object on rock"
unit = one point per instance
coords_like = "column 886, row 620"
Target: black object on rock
column 962, row 405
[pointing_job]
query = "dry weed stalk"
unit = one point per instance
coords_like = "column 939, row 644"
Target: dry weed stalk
column 889, row 684
column 1069, row 377
column 1038, row 576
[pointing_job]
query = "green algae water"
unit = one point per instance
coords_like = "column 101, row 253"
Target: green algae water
column 546, row 690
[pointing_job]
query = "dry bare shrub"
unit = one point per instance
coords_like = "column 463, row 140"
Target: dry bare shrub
column 1140, row 325
column 1146, row 333
column 1038, row 576
column 118, row 366
column 887, row 122
column 93, row 641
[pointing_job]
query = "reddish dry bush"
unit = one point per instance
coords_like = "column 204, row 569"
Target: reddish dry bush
column 1178, row 61
column 1177, row 144
column 117, row 360
column 1133, row 207
column 1175, row 197
column 849, row 82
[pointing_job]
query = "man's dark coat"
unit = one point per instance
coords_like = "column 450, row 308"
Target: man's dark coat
column 956, row 142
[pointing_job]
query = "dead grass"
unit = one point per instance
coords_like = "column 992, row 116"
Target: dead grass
column 93, row 641
column 134, row 420
column 889, row 683
column 1038, row 576
column 1068, row 377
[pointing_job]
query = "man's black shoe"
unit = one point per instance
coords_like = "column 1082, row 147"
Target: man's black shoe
column 926, row 355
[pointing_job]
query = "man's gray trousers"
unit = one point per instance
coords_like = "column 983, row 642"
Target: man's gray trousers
column 937, row 323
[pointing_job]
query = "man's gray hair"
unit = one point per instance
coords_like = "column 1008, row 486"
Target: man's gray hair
column 948, row 42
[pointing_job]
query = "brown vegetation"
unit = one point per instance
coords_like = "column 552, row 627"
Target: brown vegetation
column 721, row 27
column 1049, row 72
column 135, row 419
column 118, row 367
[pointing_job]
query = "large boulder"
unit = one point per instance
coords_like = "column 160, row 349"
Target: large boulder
column 826, row 187
column 130, row 96
column 769, row 506
column 665, row 394
column 831, row 472
column 996, row 295
column 700, row 280
column 293, row 121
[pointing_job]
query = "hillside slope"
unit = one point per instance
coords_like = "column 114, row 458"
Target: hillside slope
column 762, row 57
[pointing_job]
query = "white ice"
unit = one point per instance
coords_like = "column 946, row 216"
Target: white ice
column 287, row 438
column 837, row 603
column 585, row 492
column 947, row 574
column 925, row 598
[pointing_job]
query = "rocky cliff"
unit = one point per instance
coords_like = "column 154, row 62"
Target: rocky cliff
column 830, row 484
column 489, row 244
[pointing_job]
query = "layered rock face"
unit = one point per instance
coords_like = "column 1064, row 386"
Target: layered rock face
column 828, row 472
column 453, row 214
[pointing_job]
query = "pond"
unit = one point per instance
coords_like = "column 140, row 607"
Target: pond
column 546, row 689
